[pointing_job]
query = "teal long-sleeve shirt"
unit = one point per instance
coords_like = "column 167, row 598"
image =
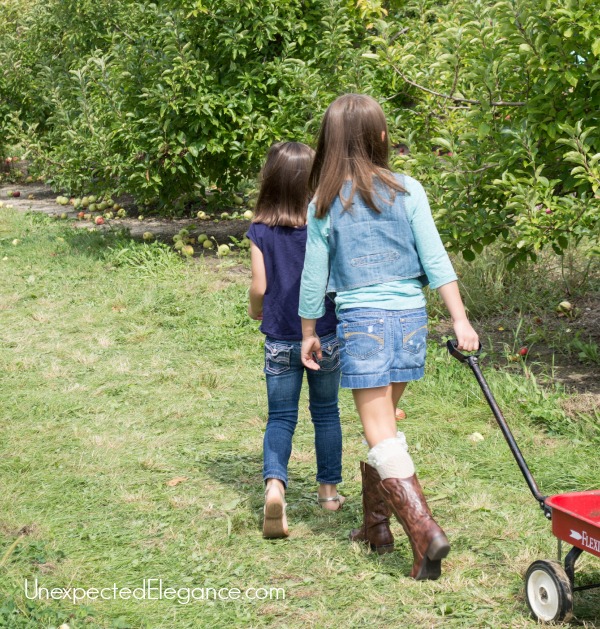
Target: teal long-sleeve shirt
column 396, row 295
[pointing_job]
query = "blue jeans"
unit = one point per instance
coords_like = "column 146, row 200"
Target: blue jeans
column 284, row 373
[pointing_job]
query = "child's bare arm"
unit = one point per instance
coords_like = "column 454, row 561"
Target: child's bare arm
column 467, row 338
column 258, row 285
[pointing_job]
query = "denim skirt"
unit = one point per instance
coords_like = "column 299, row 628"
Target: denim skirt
column 378, row 347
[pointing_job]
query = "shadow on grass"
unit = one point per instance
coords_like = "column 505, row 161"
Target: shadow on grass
column 243, row 474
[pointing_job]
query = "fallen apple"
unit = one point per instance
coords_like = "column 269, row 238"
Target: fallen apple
column 188, row 251
column 16, row 194
column 564, row 306
column 523, row 351
column 208, row 244
column 16, row 242
column 224, row 215
column 80, row 215
column 64, row 216
column 140, row 218
column 99, row 220
column 202, row 238
column 476, row 437
column 148, row 236
column 223, row 250
column 238, row 200
column 201, row 215
column 249, row 214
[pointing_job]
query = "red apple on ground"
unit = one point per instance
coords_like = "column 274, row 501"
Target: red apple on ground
column 99, row 220
column 523, row 351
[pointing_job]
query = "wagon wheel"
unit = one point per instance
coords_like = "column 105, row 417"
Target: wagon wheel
column 548, row 591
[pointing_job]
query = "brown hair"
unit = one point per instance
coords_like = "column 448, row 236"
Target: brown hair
column 350, row 146
column 284, row 190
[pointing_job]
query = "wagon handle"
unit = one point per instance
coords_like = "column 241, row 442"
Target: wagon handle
column 452, row 346
column 473, row 362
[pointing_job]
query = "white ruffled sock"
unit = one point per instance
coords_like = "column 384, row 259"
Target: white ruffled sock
column 391, row 459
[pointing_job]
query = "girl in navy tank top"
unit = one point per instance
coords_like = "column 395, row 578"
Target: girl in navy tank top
column 278, row 243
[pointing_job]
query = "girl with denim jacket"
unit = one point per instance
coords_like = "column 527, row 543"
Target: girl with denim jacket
column 278, row 243
column 372, row 245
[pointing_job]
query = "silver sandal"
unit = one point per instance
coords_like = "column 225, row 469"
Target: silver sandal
column 337, row 498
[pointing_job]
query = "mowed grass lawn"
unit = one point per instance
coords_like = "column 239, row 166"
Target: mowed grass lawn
column 132, row 413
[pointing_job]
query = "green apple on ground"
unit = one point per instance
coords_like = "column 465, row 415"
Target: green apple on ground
column 140, row 217
column 249, row 214
column 201, row 215
column 223, row 250
column 208, row 244
column 564, row 306
column 202, row 238
column 148, row 236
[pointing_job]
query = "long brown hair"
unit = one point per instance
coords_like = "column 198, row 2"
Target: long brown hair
column 350, row 146
column 284, row 185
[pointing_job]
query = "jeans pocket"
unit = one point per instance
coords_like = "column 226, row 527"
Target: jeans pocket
column 277, row 357
column 330, row 347
column 363, row 339
column 414, row 335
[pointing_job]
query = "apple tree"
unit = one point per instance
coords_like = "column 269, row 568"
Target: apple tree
column 499, row 104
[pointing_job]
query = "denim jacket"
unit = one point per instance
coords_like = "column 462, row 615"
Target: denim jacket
column 367, row 247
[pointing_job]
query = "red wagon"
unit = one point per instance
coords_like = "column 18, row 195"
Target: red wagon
column 575, row 519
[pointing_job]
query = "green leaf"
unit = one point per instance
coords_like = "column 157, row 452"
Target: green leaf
column 468, row 255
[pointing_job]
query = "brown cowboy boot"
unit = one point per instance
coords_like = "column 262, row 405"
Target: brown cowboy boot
column 429, row 543
column 375, row 529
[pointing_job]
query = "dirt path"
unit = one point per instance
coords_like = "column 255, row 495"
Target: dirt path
column 41, row 198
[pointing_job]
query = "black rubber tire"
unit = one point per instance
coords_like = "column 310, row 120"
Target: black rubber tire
column 548, row 591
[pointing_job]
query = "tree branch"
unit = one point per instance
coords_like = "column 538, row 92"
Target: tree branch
column 456, row 99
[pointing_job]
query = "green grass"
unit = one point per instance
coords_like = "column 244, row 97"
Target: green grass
column 123, row 368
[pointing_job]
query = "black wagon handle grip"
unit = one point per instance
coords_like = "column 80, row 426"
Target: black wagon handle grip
column 452, row 345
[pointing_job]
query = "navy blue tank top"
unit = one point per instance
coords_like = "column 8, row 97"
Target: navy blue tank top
column 283, row 250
